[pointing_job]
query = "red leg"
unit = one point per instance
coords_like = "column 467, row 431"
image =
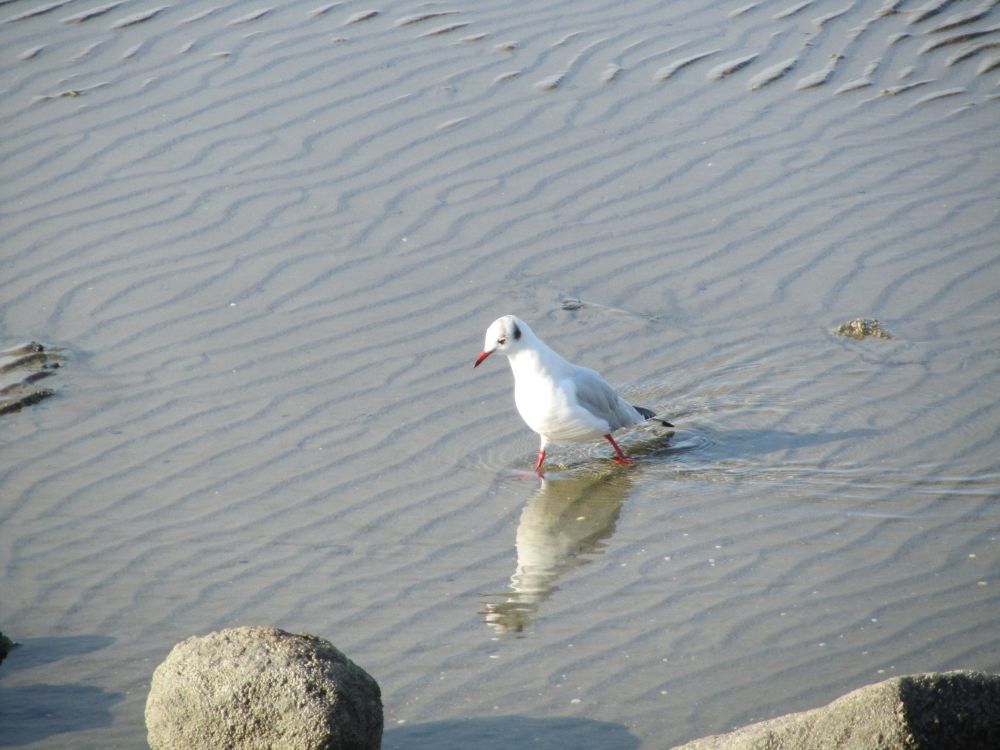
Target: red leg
column 538, row 466
column 621, row 458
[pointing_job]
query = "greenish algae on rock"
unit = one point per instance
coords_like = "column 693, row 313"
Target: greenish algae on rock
column 863, row 328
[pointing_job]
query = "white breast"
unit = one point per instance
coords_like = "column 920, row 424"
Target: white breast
column 551, row 408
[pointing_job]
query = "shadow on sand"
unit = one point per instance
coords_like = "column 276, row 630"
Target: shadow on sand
column 34, row 712
column 505, row 732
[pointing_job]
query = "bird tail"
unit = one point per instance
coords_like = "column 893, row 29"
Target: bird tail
column 650, row 414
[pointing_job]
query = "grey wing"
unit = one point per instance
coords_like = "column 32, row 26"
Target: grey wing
column 601, row 400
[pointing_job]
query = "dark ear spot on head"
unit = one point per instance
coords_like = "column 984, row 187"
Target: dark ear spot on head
column 517, row 332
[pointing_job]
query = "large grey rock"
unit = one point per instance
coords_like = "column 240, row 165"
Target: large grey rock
column 258, row 687
column 934, row 711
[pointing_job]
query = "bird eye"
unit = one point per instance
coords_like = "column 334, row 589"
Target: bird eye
column 502, row 340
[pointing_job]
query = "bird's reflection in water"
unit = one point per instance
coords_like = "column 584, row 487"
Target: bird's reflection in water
column 565, row 524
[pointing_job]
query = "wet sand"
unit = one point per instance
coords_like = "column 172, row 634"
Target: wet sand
column 268, row 239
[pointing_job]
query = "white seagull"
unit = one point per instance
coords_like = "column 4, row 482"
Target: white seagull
column 560, row 401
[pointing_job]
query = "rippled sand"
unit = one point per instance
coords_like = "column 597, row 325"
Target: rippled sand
column 267, row 240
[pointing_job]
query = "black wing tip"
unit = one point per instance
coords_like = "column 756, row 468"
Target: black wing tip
column 650, row 414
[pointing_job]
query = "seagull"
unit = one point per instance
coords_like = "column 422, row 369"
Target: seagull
column 560, row 401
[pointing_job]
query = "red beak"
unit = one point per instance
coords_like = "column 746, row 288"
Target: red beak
column 481, row 357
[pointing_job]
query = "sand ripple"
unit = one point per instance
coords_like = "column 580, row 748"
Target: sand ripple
column 272, row 235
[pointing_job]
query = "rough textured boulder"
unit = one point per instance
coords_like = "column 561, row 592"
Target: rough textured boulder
column 918, row 712
column 258, row 687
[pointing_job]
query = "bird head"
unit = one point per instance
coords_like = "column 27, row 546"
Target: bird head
column 504, row 335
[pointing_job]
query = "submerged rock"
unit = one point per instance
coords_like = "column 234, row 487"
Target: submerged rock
column 6, row 646
column 917, row 712
column 261, row 687
column 20, row 370
column 863, row 328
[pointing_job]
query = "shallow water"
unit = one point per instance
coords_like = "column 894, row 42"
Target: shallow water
column 269, row 240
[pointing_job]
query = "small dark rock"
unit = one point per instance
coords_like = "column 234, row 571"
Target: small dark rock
column 16, row 397
column 20, row 368
column 6, row 646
